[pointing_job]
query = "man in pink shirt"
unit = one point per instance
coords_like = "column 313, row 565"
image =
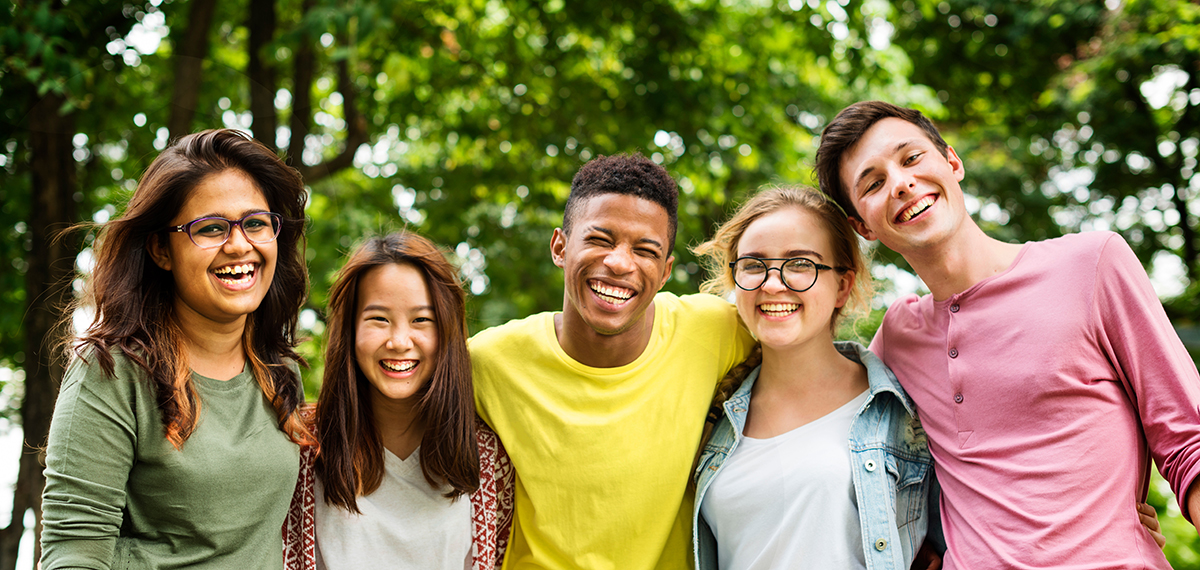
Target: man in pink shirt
column 1046, row 374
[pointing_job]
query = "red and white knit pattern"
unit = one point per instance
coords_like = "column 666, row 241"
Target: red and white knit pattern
column 491, row 508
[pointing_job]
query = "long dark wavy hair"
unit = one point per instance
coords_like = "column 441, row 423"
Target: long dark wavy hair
column 133, row 298
column 350, row 461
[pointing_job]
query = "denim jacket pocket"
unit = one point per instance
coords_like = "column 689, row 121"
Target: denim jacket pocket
column 911, row 484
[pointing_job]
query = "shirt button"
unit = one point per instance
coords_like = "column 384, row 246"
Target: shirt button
column 953, row 353
column 880, row 544
column 869, row 465
column 954, row 308
column 958, row 398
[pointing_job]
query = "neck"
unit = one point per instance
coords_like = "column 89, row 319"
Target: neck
column 591, row 348
column 816, row 366
column 213, row 349
column 398, row 423
column 951, row 268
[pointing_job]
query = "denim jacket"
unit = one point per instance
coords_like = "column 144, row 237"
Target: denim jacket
column 891, row 467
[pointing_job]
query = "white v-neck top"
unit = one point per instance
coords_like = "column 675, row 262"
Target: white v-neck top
column 405, row 523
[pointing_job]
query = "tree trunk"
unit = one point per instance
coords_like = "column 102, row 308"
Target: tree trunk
column 261, row 72
column 189, row 61
column 48, row 289
column 302, row 79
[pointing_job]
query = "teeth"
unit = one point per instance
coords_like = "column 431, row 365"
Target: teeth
column 614, row 295
column 235, row 269
column 778, row 309
column 402, row 366
column 916, row 208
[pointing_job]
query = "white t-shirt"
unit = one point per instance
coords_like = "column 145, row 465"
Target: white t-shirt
column 787, row 502
column 405, row 523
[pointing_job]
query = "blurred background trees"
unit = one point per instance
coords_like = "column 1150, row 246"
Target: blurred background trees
column 465, row 120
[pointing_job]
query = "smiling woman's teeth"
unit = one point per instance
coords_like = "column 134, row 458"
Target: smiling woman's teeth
column 402, row 366
column 778, row 309
column 235, row 273
column 916, row 208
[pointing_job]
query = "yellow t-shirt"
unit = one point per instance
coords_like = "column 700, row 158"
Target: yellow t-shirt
column 603, row 455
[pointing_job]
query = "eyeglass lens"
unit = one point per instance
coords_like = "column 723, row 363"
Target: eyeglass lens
column 797, row 273
column 258, row 228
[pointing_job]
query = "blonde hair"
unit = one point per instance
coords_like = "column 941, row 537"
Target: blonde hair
column 717, row 252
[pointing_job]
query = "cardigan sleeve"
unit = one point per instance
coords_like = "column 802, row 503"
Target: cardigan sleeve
column 91, row 449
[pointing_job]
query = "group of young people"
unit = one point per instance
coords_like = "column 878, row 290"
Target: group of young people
column 634, row 429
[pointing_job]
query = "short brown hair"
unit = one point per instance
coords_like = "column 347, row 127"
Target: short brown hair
column 847, row 128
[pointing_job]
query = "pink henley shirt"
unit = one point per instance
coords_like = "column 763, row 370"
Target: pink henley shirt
column 1042, row 389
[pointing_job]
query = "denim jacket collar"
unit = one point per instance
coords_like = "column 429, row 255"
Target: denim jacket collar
column 879, row 378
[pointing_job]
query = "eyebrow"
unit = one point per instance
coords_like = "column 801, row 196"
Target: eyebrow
column 789, row 253
column 236, row 216
column 867, row 171
column 610, row 233
column 386, row 309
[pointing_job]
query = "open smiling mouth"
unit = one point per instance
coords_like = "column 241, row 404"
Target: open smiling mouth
column 398, row 365
column 235, row 274
column 778, row 309
column 916, row 209
column 611, row 294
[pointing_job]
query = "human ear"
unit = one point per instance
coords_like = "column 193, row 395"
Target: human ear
column 862, row 229
column 956, row 163
column 845, row 285
column 558, row 247
column 666, row 271
column 160, row 254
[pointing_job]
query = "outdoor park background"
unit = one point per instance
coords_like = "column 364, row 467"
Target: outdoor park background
column 465, row 120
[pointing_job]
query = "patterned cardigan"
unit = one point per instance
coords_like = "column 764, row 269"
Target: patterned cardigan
column 491, row 508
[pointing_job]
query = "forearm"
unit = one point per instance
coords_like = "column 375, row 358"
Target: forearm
column 1192, row 500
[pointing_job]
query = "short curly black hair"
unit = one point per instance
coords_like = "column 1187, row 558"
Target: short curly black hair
column 628, row 174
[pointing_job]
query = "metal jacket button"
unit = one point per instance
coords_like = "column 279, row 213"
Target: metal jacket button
column 954, row 308
column 953, row 353
column 870, row 465
column 958, row 398
column 880, row 544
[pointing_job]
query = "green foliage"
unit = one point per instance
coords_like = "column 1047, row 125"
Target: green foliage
column 479, row 112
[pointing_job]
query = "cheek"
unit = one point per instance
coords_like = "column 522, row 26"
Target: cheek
column 366, row 342
column 429, row 346
column 745, row 304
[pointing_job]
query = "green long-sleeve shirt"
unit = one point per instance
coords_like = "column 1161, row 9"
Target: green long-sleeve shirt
column 119, row 495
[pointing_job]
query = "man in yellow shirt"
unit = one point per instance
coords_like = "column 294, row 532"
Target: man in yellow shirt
column 601, row 405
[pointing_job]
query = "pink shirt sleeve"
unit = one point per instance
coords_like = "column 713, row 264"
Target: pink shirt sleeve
column 1158, row 373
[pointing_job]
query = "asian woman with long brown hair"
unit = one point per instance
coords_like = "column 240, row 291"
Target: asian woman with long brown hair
column 400, row 445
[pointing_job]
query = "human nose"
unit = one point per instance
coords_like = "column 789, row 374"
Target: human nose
column 902, row 182
column 400, row 338
column 237, row 241
column 774, row 285
column 619, row 260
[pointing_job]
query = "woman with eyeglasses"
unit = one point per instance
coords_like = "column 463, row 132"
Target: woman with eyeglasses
column 815, row 457
column 174, row 441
